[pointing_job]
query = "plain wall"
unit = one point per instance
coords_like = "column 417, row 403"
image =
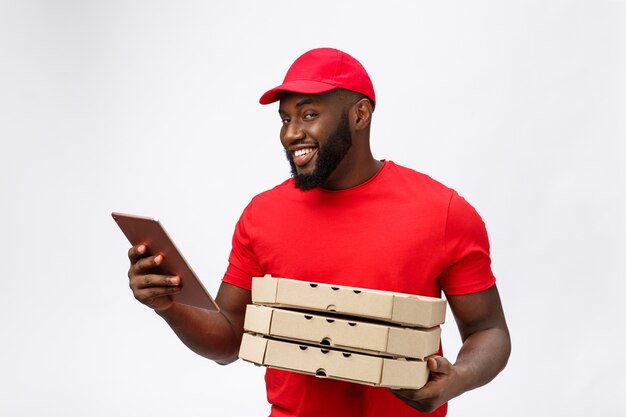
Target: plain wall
column 151, row 107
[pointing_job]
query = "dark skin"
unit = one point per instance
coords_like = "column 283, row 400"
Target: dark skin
column 307, row 122
column 214, row 335
column 485, row 352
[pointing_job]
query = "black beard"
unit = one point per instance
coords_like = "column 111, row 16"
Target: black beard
column 328, row 157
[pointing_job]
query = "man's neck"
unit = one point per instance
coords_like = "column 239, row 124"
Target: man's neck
column 350, row 175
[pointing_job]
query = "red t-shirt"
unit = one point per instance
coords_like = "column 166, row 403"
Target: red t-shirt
column 400, row 231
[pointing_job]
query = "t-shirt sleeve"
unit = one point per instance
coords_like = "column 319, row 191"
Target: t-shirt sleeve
column 467, row 251
column 242, row 262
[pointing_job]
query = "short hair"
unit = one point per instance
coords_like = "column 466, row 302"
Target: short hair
column 352, row 96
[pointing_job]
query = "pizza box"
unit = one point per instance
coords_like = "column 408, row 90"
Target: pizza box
column 404, row 309
column 335, row 364
column 341, row 333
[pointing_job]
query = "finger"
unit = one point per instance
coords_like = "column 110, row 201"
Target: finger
column 148, row 295
column 403, row 393
column 417, row 399
column 439, row 364
column 427, row 392
column 154, row 280
column 147, row 264
column 136, row 252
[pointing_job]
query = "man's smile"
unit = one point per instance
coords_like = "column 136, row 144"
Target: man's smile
column 302, row 156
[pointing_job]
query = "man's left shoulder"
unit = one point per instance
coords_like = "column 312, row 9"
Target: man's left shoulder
column 413, row 179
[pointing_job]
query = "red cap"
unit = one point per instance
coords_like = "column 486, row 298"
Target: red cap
column 321, row 70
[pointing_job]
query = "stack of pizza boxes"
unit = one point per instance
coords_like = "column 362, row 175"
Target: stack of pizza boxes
column 353, row 334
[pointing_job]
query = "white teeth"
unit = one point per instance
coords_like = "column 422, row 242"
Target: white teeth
column 301, row 152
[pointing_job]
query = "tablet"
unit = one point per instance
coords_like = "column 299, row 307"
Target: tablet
column 149, row 231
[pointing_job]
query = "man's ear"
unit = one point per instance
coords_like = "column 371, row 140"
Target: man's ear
column 361, row 114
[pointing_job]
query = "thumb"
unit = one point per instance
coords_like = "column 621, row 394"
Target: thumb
column 439, row 364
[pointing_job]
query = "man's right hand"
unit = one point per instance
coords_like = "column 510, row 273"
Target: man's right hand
column 148, row 283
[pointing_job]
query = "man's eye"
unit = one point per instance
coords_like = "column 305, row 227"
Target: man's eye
column 310, row 115
column 284, row 121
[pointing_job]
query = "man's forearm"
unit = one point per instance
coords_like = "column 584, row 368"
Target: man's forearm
column 483, row 355
column 208, row 333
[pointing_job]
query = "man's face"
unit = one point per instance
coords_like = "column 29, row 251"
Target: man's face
column 316, row 136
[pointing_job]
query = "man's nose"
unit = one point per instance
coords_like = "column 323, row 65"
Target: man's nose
column 293, row 132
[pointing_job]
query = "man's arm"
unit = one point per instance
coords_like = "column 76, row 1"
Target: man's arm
column 485, row 352
column 211, row 334
column 214, row 335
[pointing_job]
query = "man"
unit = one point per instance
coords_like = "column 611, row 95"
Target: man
column 348, row 219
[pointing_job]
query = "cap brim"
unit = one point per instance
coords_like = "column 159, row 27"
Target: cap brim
column 296, row 86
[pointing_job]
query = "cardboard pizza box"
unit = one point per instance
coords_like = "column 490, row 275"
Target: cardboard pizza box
column 404, row 309
column 336, row 364
column 342, row 333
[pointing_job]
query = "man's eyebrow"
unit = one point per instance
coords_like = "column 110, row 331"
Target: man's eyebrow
column 306, row 100
column 302, row 102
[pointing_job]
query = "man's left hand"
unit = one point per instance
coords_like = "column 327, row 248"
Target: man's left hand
column 443, row 385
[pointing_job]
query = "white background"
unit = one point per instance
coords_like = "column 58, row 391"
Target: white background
column 151, row 107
